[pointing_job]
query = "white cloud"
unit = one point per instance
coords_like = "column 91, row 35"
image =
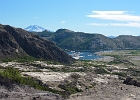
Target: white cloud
column 63, row 22
column 129, row 24
column 98, row 24
column 114, row 15
column 121, row 18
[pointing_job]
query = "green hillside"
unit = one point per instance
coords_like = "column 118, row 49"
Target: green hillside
column 67, row 39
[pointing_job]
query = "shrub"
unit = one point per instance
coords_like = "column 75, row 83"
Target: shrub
column 15, row 75
column 101, row 71
column 75, row 76
column 120, row 74
column 11, row 73
column 69, row 88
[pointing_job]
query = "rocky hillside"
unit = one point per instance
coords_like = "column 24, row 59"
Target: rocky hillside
column 16, row 42
column 68, row 39
column 11, row 90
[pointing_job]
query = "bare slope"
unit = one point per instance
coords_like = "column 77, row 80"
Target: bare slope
column 18, row 42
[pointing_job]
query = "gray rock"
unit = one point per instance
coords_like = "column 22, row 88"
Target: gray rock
column 131, row 81
column 16, row 42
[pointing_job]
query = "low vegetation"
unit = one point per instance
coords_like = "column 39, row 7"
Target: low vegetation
column 101, row 71
column 15, row 75
column 121, row 74
column 20, row 59
column 121, row 66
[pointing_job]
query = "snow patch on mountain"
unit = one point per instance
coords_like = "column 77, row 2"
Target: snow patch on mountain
column 35, row 28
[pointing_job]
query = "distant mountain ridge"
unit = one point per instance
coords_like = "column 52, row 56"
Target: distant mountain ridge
column 16, row 42
column 34, row 28
column 112, row 36
column 71, row 40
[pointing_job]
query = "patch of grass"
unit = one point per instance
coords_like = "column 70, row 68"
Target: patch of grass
column 6, row 59
column 66, row 69
column 135, row 52
column 38, row 65
column 134, row 71
column 75, row 76
column 121, row 61
column 52, row 62
column 112, row 55
column 115, row 61
column 100, row 65
column 69, row 88
column 120, row 74
column 91, row 86
column 21, row 59
column 101, row 71
column 27, row 59
column 15, row 75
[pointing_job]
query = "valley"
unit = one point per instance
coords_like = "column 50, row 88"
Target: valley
column 70, row 50
column 101, row 78
column 35, row 68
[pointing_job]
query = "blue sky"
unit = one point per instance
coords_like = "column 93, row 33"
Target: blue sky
column 107, row 17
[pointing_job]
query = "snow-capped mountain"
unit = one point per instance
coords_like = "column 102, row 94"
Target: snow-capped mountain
column 34, row 28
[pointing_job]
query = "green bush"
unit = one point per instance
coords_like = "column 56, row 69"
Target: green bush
column 69, row 88
column 119, row 74
column 101, row 71
column 75, row 76
column 15, row 75
column 11, row 73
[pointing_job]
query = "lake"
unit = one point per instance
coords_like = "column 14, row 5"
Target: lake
column 84, row 55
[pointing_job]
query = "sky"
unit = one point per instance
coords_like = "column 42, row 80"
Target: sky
column 107, row 17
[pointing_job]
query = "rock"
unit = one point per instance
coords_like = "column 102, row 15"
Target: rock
column 131, row 81
column 6, row 82
column 11, row 90
column 16, row 42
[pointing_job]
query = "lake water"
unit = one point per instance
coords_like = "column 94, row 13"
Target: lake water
column 84, row 55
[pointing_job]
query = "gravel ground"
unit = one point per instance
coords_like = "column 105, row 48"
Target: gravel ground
column 27, row 94
column 114, row 90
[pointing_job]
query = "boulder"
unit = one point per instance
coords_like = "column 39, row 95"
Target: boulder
column 132, row 81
